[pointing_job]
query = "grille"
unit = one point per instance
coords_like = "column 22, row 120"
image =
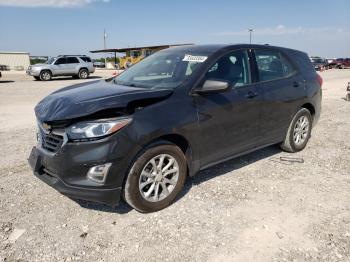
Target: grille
column 51, row 142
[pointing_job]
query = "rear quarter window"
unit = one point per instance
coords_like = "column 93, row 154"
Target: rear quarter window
column 86, row 59
column 303, row 61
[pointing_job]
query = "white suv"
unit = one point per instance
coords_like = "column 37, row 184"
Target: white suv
column 68, row 65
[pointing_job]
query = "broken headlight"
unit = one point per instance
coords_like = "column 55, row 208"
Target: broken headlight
column 96, row 128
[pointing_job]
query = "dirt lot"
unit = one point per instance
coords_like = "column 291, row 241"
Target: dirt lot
column 254, row 208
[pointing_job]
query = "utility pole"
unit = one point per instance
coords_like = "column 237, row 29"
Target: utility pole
column 250, row 35
column 104, row 45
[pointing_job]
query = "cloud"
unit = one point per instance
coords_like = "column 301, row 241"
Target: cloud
column 284, row 30
column 48, row 3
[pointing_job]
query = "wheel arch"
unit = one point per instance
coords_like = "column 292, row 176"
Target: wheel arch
column 46, row 69
column 309, row 107
column 179, row 141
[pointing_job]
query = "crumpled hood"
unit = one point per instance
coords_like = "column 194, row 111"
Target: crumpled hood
column 88, row 98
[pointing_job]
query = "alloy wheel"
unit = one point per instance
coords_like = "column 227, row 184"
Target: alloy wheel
column 301, row 130
column 83, row 74
column 46, row 76
column 159, row 178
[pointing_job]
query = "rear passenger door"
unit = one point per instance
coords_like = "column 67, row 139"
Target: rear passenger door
column 72, row 66
column 282, row 88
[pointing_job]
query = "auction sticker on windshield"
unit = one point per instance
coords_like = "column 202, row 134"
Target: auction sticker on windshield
column 193, row 58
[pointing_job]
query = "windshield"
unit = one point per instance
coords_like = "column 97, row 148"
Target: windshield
column 165, row 69
column 51, row 60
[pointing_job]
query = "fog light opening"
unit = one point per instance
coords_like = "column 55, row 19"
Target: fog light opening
column 99, row 173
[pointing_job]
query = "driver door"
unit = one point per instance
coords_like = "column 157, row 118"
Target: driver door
column 229, row 121
column 60, row 66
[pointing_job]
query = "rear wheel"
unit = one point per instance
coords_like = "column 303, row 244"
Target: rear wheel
column 83, row 74
column 45, row 75
column 156, row 178
column 299, row 132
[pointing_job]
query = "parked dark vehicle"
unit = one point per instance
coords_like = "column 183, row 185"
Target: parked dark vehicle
column 343, row 63
column 319, row 63
column 4, row 68
column 178, row 111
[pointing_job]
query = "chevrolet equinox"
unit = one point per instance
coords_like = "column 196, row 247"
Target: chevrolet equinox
column 180, row 110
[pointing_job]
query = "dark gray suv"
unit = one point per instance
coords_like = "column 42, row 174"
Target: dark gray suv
column 78, row 66
column 181, row 110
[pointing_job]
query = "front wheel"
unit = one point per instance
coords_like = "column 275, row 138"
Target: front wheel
column 45, row 75
column 299, row 132
column 156, row 178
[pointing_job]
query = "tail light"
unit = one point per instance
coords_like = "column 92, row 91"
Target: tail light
column 319, row 80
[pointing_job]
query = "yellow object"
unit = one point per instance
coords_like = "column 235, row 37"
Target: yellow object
column 134, row 56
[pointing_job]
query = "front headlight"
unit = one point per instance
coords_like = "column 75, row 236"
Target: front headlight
column 96, row 128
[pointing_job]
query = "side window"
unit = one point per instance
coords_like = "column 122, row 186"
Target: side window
column 60, row 61
column 233, row 67
column 272, row 65
column 72, row 60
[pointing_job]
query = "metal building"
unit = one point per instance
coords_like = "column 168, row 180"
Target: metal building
column 15, row 60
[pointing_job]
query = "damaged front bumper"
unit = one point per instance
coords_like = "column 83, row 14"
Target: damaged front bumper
column 108, row 196
column 67, row 169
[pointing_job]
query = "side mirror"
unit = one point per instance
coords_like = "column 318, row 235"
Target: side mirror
column 214, row 86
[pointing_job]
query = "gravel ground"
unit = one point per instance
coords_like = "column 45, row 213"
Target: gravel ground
column 254, row 208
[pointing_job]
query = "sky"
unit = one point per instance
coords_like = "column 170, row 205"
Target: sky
column 53, row 27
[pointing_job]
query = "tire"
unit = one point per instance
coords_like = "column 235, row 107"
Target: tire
column 291, row 143
column 142, row 173
column 37, row 78
column 45, row 75
column 83, row 74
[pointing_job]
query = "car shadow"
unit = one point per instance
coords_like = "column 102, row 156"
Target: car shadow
column 229, row 166
column 6, row 81
column 201, row 177
column 122, row 208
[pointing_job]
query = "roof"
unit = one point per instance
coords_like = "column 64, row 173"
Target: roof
column 21, row 53
column 216, row 47
column 123, row 50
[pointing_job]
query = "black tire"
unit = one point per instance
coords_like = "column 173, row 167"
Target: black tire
column 83, row 73
column 289, row 144
column 131, row 192
column 37, row 78
column 45, row 75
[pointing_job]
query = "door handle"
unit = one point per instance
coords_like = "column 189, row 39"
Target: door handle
column 251, row 95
